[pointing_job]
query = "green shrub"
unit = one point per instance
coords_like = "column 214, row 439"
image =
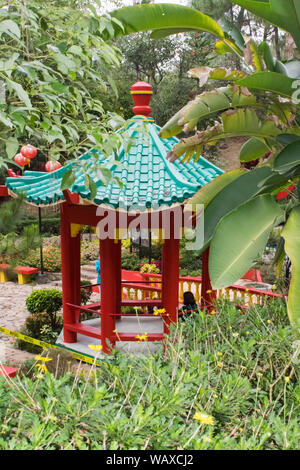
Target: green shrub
column 51, row 259
column 86, row 292
column 45, row 300
column 50, row 225
column 131, row 261
column 89, row 251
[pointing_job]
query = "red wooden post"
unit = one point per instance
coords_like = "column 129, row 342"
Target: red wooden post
column 3, row 191
column 170, row 280
column 117, row 266
column 70, row 268
column 208, row 295
column 108, row 293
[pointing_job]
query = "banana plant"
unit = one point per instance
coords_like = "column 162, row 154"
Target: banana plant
column 240, row 208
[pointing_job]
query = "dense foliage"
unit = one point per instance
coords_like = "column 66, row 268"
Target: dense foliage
column 229, row 381
column 54, row 63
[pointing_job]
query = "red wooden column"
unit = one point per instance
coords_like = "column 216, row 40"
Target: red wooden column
column 108, row 293
column 117, row 266
column 70, row 268
column 208, row 295
column 170, row 280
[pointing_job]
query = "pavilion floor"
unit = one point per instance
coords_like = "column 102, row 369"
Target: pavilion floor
column 136, row 325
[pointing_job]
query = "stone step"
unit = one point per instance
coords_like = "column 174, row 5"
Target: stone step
column 89, row 268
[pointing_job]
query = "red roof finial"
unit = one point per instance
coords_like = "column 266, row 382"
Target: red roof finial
column 141, row 94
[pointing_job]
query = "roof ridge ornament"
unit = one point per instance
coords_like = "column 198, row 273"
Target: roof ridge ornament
column 141, row 93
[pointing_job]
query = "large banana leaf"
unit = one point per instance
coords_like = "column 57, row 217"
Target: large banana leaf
column 283, row 13
column 240, row 238
column 291, row 233
column 288, row 158
column 209, row 191
column 269, row 81
column 253, row 149
column 204, row 106
column 234, row 194
column 234, row 123
column 165, row 19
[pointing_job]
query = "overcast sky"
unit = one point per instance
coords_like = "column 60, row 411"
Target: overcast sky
column 108, row 6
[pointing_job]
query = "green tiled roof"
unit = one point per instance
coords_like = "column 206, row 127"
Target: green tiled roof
column 149, row 179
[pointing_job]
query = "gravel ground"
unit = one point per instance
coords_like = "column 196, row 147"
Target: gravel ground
column 13, row 314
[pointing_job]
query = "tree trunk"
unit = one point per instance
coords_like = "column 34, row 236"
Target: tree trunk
column 277, row 45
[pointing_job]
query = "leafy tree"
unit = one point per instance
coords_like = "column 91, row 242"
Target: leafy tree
column 53, row 64
column 214, row 8
column 164, row 63
column 13, row 245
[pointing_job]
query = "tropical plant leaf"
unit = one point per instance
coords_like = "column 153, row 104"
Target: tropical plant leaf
column 240, row 238
column 205, row 105
column 290, row 234
column 288, row 158
column 234, row 123
column 233, row 32
column 284, row 14
column 252, row 56
column 207, row 73
column 279, row 257
column 209, row 191
column 273, row 64
column 253, row 149
column 269, row 81
column 171, row 19
column 234, row 194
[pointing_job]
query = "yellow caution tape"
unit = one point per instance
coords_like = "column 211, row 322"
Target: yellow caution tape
column 43, row 344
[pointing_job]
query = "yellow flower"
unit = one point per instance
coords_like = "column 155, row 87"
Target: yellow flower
column 215, row 396
column 41, row 367
column 219, row 354
column 204, row 418
column 96, row 347
column 43, row 359
column 142, row 337
column 247, row 332
column 287, row 379
column 235, row 335
column 274, row 287
column 213, row 312
column 268, row 321
column 209, row 291
column 159, row 311
column 220, row 364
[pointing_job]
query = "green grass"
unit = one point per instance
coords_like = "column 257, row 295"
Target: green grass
column 239, row 369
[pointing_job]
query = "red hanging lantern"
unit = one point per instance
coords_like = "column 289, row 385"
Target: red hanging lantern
column 12, row 174
column 21, row 160
column 29, row 151
column 52, row 166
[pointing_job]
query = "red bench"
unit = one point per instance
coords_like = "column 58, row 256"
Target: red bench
column 8, row 371
column 3, row 272
column 24, row 273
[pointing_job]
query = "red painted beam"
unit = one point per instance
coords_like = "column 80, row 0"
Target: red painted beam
column 4, row 191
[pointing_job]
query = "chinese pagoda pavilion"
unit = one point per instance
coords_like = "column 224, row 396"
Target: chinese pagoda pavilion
column 144, row 183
